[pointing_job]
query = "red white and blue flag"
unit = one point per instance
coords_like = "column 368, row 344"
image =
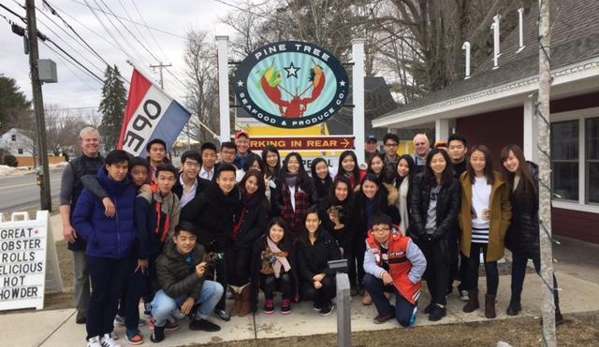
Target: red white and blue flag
column 150, row 114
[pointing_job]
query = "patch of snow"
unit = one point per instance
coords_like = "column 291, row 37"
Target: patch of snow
column 6, row 170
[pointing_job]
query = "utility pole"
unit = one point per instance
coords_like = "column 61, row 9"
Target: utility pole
column 161, row 67
column 43, row 179
column 548, row 308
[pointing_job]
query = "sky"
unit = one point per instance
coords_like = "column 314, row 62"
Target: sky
column 159, row 25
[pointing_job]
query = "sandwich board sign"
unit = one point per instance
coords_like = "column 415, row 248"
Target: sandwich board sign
column 27, row 255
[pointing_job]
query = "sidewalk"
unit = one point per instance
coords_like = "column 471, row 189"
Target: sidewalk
column 578, row 282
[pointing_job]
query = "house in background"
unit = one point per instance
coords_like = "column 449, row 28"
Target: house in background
column 496, row 107
column 17, row 142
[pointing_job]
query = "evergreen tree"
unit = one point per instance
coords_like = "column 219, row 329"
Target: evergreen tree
column 13, row 104
column 112, row 107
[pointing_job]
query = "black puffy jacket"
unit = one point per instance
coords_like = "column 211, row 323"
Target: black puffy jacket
column 448, row 207
column 523, row 234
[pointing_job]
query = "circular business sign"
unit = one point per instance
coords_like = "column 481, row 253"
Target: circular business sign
column 291, row 84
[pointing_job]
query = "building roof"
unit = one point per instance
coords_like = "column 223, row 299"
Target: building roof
column 575, row 38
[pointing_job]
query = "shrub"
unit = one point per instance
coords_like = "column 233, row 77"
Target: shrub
column 11, row 160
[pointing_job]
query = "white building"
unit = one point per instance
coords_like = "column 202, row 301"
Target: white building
column 17, row 142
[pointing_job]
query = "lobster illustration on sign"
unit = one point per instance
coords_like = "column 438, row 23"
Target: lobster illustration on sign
column 296, row 107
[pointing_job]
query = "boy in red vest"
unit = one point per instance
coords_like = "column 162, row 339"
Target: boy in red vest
column 393, row 263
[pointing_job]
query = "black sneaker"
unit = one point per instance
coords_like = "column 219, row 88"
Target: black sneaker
column 317, row 306
column 427, row 309
column 437, row 312
column 204, row 325
column 157, row 334
column 80, row 319
column 327, row 310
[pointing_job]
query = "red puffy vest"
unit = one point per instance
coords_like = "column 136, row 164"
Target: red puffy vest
column 399, row 264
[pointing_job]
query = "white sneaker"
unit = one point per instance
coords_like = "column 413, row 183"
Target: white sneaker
column 464, row 295
column 108, row 341
column 94, row 342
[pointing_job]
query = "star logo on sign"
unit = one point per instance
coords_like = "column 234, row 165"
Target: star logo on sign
column 342, row 83
column 240, row 83
column 292, row 70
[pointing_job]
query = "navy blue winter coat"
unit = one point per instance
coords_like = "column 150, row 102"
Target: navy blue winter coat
column 114, row 237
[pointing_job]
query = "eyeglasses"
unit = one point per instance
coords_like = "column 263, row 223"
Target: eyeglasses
column 380, row 230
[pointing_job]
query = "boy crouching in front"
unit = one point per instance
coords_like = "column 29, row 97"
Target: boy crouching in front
column 181, row 272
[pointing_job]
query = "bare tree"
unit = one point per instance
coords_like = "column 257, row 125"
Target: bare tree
column 62, row 129
column 200, row 58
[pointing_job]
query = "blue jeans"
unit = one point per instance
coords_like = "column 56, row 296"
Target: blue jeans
column 163, row 305
column 405, row 312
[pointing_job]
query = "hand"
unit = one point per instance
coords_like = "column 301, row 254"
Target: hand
column 486, row 214
column 109, row 209
column 387, row 279
column 317, row 285
column 145, row 188
column 187, row 305
column 201, row 269
column 69, row 234
column 318, row 278
column 142, row 264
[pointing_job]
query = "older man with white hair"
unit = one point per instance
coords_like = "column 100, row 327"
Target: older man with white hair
column 421, row 148
column 88, row 163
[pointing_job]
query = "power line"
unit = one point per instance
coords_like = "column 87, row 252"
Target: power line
column 65, row 42
column 54, row 12
column 69, row 68
column 44, row 38
column 132, row 47
column 144, row 25
column 129, row 31
column 14, row 13
column 147, row 44
column 149, row 31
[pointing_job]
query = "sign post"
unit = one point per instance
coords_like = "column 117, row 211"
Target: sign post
column 27, row 254
column 222, row 43
column 358, row 96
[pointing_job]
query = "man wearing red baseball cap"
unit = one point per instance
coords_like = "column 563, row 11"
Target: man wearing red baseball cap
column 242, row 142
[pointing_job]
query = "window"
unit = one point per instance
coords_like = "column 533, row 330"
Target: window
column 13, row 137
column 564, row 154
column 20, row 150
column 591, row 137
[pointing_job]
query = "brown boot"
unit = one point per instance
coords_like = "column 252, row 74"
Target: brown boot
column 472, row 303
column 246, row 301
column 490, row 306
column 237, row 301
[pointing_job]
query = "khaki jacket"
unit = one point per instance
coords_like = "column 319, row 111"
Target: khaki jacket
column 501, row 215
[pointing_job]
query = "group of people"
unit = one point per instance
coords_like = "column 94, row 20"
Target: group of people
column 233, row 220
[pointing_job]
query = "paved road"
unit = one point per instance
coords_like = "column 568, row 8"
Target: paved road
column 21, row 193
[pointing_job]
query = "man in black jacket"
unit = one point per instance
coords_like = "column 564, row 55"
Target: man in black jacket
column 189, row 185
column 213, row 213
column 88, row 163
column 181, row 272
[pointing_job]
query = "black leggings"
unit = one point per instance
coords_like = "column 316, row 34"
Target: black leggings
column 519, row 272
column 490, row 269
column 269, row 284
column 322, row 296
column 238, row 266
